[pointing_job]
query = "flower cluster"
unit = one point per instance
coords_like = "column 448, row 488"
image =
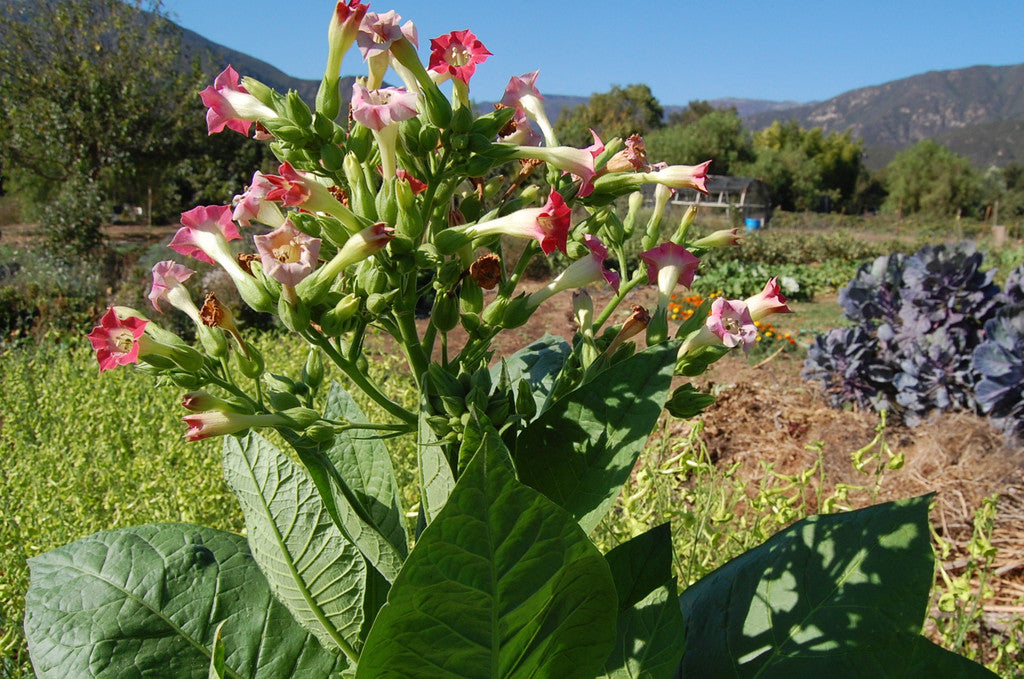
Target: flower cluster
column 404, row 199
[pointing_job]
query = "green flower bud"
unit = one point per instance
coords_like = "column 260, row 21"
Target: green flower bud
column 297, row 110
column 280, row 400
column 328, row 99
column 471, row 297
column 313, row 370
column 429, row 136
column 445, row 312
column 331, row 157
column 495, row 311
column 302, row 417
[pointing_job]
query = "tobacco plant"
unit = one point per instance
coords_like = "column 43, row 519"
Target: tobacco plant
column 410, row 201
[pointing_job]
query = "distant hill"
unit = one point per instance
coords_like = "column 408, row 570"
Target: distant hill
column 977, row 111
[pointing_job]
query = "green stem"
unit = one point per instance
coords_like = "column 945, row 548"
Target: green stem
column 624, row 289
column 363, row 382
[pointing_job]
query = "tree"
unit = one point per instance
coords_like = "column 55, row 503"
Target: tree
column 807, row 169
column 694, row 111
column 95, row 96
column 619, row 112
column 930, row 178
column 718, row 135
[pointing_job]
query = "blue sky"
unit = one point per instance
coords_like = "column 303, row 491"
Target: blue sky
column 799, row 50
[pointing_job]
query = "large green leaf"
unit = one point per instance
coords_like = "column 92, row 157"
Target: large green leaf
column 647, row 643
column 346, row 510
column 840, row 595
column 538, row 363
column 641, row 564
column 650, row 622
column 363, row 460
column 147, row 601
column 581, row 450
column 436, row 476
column 311, row 567
column 502, row 583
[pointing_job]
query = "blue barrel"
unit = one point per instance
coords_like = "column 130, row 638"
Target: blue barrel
column 753, row 224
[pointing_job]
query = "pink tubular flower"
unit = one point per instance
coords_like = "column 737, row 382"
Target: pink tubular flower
column 204, row 229
column 217, row 423
column 522, row 92
column 341, row 33
column 682, row 176
column 298, row 189
column 670, row 264
column 253, row 204
column 116, row 340
column 287, row 254
column 731, row 323
column 168, row 277
column 580, row 273
column 577, row 162
column 230, row 105
column 457, row 55
column 549, row 224
column 416, row 185
column 376, row 109
column 378, row 31
column 768, row 301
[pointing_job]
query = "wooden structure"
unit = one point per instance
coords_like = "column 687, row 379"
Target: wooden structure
column 748, row 195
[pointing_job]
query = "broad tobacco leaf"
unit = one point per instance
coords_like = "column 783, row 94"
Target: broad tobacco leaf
column 436, row 476
column 650, row 625
column 538, row 363
column 841, row 595
column 581, row 450
column 148, row 601
column 363, row 460
column 346, row 509
column 311, row 567
column 503, row 583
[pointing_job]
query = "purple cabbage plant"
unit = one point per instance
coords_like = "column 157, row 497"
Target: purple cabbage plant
column 917, row 322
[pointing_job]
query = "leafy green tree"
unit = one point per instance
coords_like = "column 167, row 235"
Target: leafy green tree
column 930, row 178
column 718, row 135
column 694, row 111
column 93, row 93
column 807, row 169
column 620, row 112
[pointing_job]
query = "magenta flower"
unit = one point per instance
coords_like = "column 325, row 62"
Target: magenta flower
column 287, row 254
column 298, row 189
column 731, row 323
column 580, row 273
column 670, row 264
column 681, row 176
column 376, row 109
column 341, row 33
column 768, row 301
column 457, row 54
column 168, row 277
column 549, row 224
column 253, row 204
column 205, row 232
column 116, row 340
column 230, row 105
column 522, row 92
